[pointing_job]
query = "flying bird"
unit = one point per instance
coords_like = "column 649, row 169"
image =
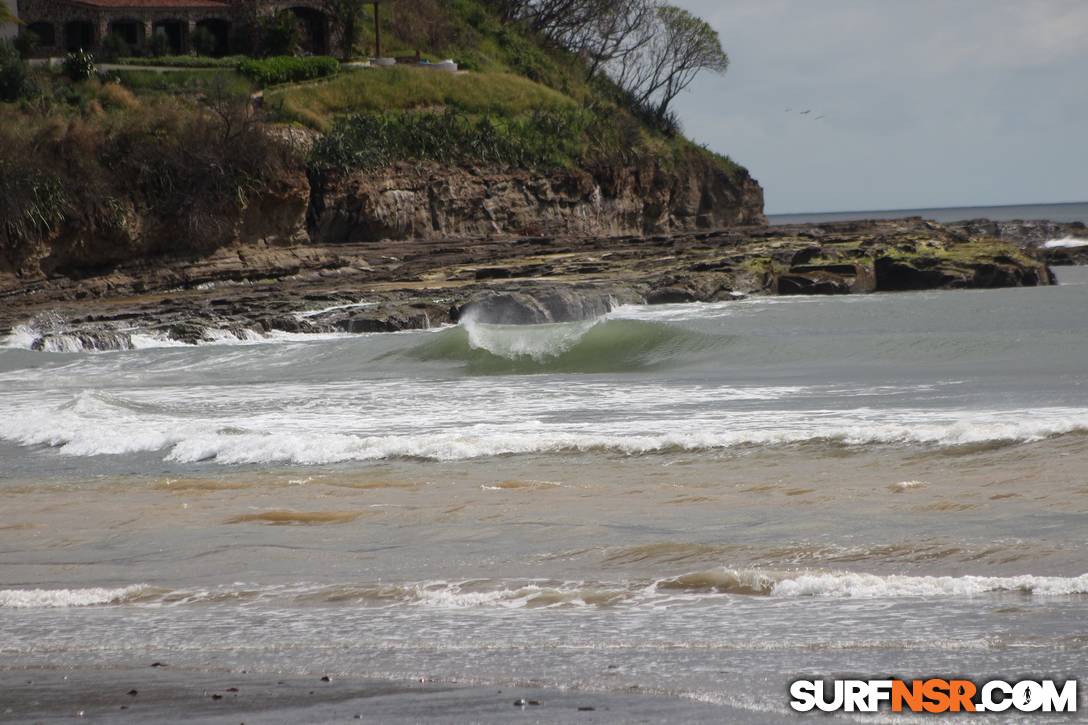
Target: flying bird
column 805, row 113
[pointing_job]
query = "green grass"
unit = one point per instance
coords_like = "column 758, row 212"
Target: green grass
column 400, row 89
column 182, row 81
column 184, row 61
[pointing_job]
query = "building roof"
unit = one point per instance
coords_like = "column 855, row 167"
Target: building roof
column 152, row 4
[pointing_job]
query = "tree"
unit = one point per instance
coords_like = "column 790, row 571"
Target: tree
column 203, row 41
column 347, row 16
column 617, row 31
column 682, row 46
column 279, row 33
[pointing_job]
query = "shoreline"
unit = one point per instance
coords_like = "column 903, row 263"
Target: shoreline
column 166, row 694
column 252, row 291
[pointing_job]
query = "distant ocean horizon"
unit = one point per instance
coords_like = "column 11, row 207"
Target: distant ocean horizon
column 1064, row 213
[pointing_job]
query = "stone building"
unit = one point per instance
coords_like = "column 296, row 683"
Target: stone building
column 8, row 31
column 66, row 25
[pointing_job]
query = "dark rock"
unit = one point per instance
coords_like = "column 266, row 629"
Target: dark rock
column 669, row 295
column 408, row 284
column 894, row 275
column 812, row 283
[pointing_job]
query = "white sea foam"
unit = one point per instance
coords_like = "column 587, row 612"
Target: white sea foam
column 693, row 588
column 96, row 424
column 27, row 337
column 904, row 486
column 22, row 337
column 1065, row 243
column 871, row 585
column 538, row 342
column 57, row 598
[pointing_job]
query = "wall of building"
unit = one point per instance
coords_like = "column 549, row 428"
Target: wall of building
column 9, row 31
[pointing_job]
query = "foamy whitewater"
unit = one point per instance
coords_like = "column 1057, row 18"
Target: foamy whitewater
column 704, row 501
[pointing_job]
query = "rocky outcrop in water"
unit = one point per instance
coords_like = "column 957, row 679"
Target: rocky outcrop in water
column 263, row 289
column 1033, row 236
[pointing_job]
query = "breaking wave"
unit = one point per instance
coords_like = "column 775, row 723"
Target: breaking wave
column 591, row 346
column 701, row 587
column 97, row 423
column 60, row 598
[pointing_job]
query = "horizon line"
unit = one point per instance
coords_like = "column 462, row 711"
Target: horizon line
column 923, row 208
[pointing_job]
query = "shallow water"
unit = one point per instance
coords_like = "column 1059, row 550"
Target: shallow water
column 700, row 500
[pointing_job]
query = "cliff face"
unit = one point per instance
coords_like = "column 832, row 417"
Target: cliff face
column 431, row 202
column 400, row 203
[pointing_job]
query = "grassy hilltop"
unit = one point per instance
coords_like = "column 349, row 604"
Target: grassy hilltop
column 106, row 145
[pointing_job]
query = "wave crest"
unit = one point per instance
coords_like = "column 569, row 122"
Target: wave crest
column 591, row 346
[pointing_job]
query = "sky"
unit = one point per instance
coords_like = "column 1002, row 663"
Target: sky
column 926, row 103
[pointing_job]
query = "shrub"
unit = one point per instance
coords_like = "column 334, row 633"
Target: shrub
column 203, row 41
column 157, row 45
column 288, row 69
column 79, row 65
column 115, row 95
column 26, row 43
column 372, row 140
column 114, row 47
column 15, row 79
column 277, row 34
column 190, row 168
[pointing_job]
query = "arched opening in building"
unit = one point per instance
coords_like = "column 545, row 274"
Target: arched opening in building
column 79, row 35
column 314, row 25
column 130, row 31
column 176, row 33
column 219, row 31
column 46, row 33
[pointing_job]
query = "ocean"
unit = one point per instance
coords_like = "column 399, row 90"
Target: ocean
column 1062, row 213
column 700, row 502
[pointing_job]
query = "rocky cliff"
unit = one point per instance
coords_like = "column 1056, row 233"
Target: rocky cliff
column 297, row 206
column 430, row 202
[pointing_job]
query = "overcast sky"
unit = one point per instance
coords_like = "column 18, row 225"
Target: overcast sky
column 927, row 102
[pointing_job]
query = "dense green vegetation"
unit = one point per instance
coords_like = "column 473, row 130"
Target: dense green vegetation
column 373, row 140
column 102, row 154
column 184, row 61
column 287, row 69
column 187, row 146
column 188, row 82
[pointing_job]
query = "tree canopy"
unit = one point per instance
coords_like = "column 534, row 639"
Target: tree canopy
column 653, row 51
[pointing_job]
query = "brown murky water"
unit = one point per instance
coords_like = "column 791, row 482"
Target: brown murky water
column 703, row 501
